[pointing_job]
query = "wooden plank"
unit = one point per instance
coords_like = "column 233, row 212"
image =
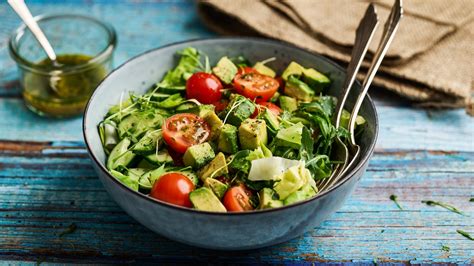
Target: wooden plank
column 51, row 185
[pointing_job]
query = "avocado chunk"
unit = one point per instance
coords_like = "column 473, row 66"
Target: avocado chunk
column 293, row 69
column 120, row 156
column 239, row 109
column 345, row 116
column 305, row 192
column 217, row 187
column 135, row 125
column 228, row 139
column 149, row 143
column 298, row 89
column 290, row 136
column 198, row 155
column 271, row 120
column 225, row 70
column 291, row 180
column 202, row 110
column 315, row 79
column 204, row 199
column 269, row 199
column 252, row 133
column 160, row 158
column 217, row 167
column 289, row 104
column 215, row 122
column 264, row 70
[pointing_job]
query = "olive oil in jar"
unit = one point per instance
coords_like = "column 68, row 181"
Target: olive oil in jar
column 61, row 89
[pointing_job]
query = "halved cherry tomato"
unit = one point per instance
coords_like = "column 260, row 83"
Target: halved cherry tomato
column 237, row 199
column 204, row 87
column 255, row 86
column 173, row 188
column 221, row 105
column 182, row 131
column 270, row 106
column 246, row 70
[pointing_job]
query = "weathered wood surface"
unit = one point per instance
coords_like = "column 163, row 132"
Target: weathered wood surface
column 47, row 182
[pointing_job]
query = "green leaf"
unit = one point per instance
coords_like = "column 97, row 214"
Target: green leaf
column 443, row 205
column 394, row 198
column 240, row 162
column 188, row 64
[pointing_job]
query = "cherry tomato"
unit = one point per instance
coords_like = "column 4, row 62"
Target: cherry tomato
column 246, row 70
column 255, row 86
column 177, row 157
column 220, row 105
column 237, row 199
column 270, row 106
column 204, row 87
column 281, row 83
column 182, row 131
column 173, row 188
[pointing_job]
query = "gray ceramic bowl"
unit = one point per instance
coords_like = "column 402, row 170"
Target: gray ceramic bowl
column 227, row 231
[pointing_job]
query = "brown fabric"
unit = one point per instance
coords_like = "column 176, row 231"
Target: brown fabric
column 429, row 60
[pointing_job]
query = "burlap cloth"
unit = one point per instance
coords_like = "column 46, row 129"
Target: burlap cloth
column 429, row 62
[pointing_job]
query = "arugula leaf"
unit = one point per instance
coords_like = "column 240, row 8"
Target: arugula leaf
column 188, row 64
column 394, row 198
column 465, row 234
column 307, row 142
column 240, row 162
column 443, row 205
column 320, row 166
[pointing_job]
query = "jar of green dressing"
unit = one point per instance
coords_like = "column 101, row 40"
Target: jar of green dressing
column 84, row 48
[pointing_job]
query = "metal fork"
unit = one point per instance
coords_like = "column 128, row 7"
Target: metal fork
column 364, row 34
column 390, row 29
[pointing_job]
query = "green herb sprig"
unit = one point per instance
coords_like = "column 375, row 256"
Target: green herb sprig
column 69, row 230
column 465, row 234
column 445, row 248
column 443, row 205
column 394, row 198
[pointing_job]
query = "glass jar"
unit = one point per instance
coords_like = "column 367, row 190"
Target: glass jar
column 84, row 48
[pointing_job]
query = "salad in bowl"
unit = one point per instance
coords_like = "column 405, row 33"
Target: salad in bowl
column 232, row 137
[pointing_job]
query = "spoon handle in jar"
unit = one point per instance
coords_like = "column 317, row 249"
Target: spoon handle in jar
column 24, row 13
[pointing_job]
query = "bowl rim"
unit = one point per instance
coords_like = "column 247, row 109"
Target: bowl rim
column 348, row 176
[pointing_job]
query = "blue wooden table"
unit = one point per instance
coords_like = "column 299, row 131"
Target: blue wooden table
column 48, row 187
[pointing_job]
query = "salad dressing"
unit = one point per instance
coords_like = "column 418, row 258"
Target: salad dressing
column 63, row 90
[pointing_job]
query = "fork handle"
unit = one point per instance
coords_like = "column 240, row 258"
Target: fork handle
column 390, row 29
column 364, row 34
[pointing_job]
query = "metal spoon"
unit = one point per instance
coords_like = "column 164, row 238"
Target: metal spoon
column 364, row 34
column 390, row 29
column 24, row 13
